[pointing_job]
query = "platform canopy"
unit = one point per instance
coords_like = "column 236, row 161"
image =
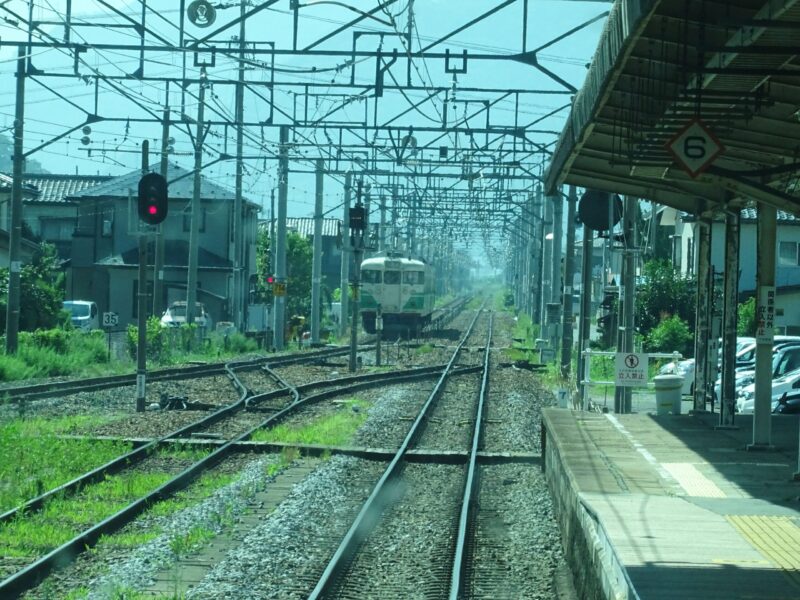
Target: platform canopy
column 690, row 103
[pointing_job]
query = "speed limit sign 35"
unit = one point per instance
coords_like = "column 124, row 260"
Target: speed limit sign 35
column 695, row 147
column 110, row 319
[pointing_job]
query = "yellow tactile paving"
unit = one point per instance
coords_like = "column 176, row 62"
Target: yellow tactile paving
column 693, row 481
column 777, row 538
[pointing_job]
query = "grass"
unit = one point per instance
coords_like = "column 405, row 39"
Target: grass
column 424, row 349
column 35, row 460
column 184, row 543
column 63, row 518
column 329, row 430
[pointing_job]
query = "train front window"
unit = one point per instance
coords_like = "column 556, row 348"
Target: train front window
column 414, row 277
column 371, row 276
column 391, row 277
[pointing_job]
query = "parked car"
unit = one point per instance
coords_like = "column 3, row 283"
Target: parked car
column 83, row 314
column 787, row 404
column 785, row 358
column 684, row 368
column 175, row 315
column 786, row 383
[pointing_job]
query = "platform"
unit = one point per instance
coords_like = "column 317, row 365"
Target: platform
column 670, row 508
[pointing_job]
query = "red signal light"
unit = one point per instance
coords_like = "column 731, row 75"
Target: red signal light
column 153, row 209
column 270, row 279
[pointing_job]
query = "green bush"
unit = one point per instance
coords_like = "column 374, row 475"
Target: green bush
column 158, row 347
column 672, row 334
column 52, row 353
column 746, row 324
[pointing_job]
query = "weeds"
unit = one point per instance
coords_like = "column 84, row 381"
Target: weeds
column 328, row 430
column 28, row 448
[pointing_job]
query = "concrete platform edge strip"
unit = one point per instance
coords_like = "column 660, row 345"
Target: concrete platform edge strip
column 596, row 568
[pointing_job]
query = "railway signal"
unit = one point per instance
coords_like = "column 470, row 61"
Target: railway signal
column 153, row 198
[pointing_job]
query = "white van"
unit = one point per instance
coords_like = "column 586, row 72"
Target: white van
column 83, row 314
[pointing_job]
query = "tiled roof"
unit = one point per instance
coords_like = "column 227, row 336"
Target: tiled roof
column 55, row 188
column 305, row 226
column 180, row 181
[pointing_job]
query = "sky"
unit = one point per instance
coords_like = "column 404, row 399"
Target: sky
column 59, row 99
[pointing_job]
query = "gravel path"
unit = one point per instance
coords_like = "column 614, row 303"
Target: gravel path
column 286, row 554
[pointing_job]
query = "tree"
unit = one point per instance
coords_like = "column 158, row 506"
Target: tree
column 672, row 334
column 298, row 266
column 663, row 293
column 41, row 291
column 746, row 324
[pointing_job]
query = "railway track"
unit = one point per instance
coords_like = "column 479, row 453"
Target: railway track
column 34, row 572
column 391, row 521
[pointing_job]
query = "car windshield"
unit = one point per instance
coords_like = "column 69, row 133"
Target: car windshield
column 77, row 310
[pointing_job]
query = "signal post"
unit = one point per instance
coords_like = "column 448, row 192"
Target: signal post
column 151, row 205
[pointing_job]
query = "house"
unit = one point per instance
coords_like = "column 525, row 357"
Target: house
column 47, row 213
column 27, row 249
column 331, row 245
column 787, row 268
column 104, row 265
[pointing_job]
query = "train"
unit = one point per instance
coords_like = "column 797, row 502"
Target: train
column 403, row 287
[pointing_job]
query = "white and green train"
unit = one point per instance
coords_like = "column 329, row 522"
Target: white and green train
column 403, row 288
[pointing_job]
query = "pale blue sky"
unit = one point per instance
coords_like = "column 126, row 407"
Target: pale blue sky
column 113, row 147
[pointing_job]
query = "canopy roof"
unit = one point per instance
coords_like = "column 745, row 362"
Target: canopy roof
column 662, row 65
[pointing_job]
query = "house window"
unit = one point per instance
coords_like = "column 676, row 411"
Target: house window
column 57, row 229
column 187, row 219
column 787, row 254
column 135, row 311
column 107, row 222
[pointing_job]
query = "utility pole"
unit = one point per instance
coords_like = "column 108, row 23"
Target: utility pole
column 194, row 232
column 158, row 261
column 344, row 284
column 279, row 307
column 358, row 224
column 237, row 296
column 382, row 226
column 622, row 398
column 569, row 275
column 555, row 280
column 586, row 308
column 141, row 348
column 316, row 264
column 15, row 237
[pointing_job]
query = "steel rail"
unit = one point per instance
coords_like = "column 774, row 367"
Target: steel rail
column 471, row 485
column 43, row 390
column 32, row 574
column 367, row 518
column 121, row 462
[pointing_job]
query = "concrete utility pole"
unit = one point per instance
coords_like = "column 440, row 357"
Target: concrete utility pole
column 15, row 235
column 279, row 306
column 158, row 261
column 555, row 279
column 622, row 395
column 547, row 260
column 765, row 312
column 316, row 263
column 538, row 273
column 730, row 307
column 344, row 285
column 237, row 297
column 586, row 309
column 382, row 226
column 358, row 225
column 194, row 232
column 393, row 245
column 141, row 347
column 528, row 250
column 703, row 307
column 569, row 275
